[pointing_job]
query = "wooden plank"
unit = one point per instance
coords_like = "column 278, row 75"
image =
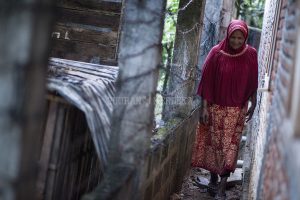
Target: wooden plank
column 82, row 51
column 89, row 17
column 85, row 34
column 109, row 6
column 43, row 127
column 46, row 149
column 56, row 98
column 55, row 152
column 62, row 162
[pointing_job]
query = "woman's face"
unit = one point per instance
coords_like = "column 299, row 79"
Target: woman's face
column 237, row 39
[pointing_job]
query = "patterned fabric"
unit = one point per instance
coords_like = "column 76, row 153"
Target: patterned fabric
column 217, row 144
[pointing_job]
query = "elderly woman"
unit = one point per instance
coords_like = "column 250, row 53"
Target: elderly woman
column 229, row 82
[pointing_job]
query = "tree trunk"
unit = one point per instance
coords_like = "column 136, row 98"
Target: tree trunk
column 133, row 115
column 185, row 57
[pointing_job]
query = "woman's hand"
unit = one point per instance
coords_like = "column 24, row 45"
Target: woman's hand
column 251, row 110
column 204, row 113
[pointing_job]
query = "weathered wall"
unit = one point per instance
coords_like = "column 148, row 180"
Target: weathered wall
column 259, row 123
column 274, row 145
column 87, row 31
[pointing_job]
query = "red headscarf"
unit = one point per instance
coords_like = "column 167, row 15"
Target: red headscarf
column 230, row 76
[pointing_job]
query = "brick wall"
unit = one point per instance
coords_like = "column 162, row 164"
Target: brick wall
column 166, row 163
column 274, row 158
column 169, row 161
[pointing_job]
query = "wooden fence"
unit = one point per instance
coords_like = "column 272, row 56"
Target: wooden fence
column 69, row 166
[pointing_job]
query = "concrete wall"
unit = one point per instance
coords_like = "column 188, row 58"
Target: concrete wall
column 274, row 143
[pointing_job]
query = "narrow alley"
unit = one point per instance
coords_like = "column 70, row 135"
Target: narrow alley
column 106, row 99
column 191, row 191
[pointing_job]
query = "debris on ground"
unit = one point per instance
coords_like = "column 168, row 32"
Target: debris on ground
column 193, row 191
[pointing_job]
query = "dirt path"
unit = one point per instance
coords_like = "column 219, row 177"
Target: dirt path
column 191, row 192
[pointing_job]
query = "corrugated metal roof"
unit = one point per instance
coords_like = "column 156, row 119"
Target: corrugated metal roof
column 91, row 88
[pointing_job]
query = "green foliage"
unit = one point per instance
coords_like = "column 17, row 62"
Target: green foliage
column 167, row 51
column 168, row 37
column 168, row 34
column 169, row 27
column 251, row 11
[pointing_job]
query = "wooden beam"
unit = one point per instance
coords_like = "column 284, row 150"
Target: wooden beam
column 88, row 17
column 87, row 33
column 77, row 32
column 108, row 6
column 82, row 51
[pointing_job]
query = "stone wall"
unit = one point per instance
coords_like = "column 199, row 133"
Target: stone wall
column 273, row 141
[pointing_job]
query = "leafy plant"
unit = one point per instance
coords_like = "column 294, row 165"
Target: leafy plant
column 167, row 51
column 251, row 11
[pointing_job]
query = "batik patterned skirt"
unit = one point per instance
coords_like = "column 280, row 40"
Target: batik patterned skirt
column 217, row 144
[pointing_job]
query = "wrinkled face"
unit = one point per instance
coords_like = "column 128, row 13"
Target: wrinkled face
column 237, row 39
